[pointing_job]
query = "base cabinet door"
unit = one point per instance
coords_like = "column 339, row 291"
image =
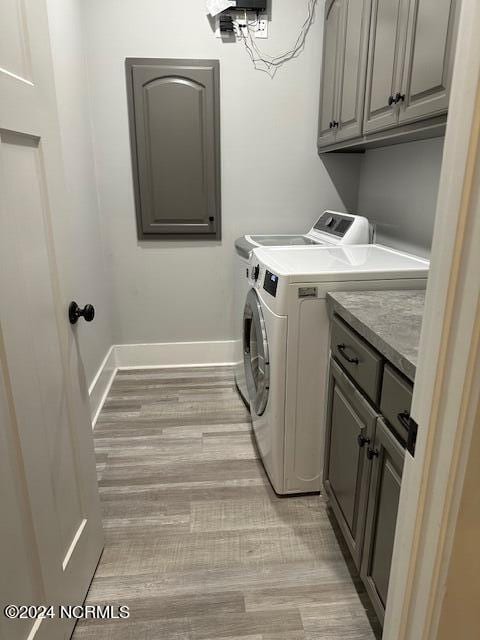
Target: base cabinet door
column 387, row 456
column 328, row 85
column 428, row 60
column 350, row 429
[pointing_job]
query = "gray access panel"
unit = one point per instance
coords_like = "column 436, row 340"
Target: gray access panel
column 174, row 117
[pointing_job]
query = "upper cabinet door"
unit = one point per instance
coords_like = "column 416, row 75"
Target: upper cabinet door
column 174, row 126
column 387, row 45
column 428, row 59
column 353, row 48
column 327, row 123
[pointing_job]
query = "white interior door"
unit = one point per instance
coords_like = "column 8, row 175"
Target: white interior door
column 50, row 529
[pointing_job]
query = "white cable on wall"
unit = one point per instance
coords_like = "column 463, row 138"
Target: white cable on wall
column 266, row 63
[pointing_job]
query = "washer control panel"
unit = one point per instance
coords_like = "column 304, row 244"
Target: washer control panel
column 334, row 223
column 270, row 283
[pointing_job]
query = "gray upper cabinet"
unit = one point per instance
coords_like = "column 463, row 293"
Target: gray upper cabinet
column 175, row 142
column 385, row 63
column 388, row 457
column 353, row 49
column 387, row 69
column 343, row 71
column 410, row 61
column 428, row 65
column 326, row 128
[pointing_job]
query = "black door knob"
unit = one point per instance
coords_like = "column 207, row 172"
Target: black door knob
column 330, row 124
column 74, row 312
column 399, row 97
column 256, row 272
column 335, row 124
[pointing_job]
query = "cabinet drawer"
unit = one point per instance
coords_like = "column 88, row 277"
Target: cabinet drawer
column 396, row 401
column 362, row 362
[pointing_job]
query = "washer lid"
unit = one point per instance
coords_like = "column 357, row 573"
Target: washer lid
column 354, row 262
column 245, row 244
column 244, row 247
column 280, row 240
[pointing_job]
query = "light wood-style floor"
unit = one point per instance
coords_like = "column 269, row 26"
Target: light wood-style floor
column 197, row 543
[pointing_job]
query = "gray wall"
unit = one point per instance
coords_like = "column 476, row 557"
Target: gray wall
column 398, row 191
column 90, row 277
column 272, row 177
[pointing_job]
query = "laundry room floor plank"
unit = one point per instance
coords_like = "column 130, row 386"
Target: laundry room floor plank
column 197, row 543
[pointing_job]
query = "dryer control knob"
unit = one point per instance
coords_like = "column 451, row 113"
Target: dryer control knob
column 256, row 272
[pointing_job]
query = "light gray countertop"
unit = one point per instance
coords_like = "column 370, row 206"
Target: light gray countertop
column 389, row 320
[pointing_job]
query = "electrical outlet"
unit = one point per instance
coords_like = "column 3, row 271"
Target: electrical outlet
column 261, row 30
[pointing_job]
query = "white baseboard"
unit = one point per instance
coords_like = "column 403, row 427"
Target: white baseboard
column 174, row 354
column 101, row 384
column 155, row 356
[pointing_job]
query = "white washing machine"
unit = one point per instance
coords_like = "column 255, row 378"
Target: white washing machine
column 286, row 343
column 332, row 228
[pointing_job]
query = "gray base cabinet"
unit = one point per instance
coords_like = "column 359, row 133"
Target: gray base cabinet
column 383, row 499
column 351, row 426
column 368, row 423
